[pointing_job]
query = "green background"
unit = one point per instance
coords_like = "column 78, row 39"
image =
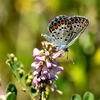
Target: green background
column 21, row 25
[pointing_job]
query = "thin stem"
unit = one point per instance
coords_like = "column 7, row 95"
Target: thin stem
column 32, row 97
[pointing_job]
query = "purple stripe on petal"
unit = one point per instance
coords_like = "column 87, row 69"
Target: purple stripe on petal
column 43, row 77
column 58, row 54
column 36, row 52
column 44, row 70
column 40, row 58
column 35, row 81
column 37, row 71
column 48, row 63
column 55, row 62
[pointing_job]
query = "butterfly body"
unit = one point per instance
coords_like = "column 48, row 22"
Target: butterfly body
column 64, row 31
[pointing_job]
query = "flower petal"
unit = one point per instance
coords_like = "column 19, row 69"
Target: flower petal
column 40, row 58
column 57, row 69
column 58, row 54
column 56, row 78
column 50, row 75
column 43, row 77
column 47, row 53
column 56, row 49
column 37, row 71
column 35, row 65
column 35, row 81
column 55, row 62
column 36, row 52
column 44, row 70
column 48, row 63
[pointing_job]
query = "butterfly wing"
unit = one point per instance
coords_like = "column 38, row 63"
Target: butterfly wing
column 59, row 30
column 79, row 24
column 65, row 31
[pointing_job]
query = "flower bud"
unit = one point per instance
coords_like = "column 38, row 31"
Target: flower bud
column 28, row 81
column 30, row 77
column 12, row 55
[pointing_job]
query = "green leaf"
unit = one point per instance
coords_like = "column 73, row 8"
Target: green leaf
column 31, row 73
column 11, row 96
column 11, row 88
column 20, row 73
column 33, row 90
column 20, row 65
column 88, row 96
column 76, row 97
column 12, row 65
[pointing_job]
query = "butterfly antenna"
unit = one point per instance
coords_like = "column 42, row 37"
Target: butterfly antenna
column 71, row 57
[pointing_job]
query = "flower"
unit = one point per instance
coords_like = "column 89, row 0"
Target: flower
column 46, row 65
column 2, row 97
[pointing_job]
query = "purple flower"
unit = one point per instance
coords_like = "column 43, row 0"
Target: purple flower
column 43, row 77
column 40, row 58
column 44, row 70
column 2, row 97
column 55, row 62
column 46, row 65
column 36, row 52
column 37, row 71
column 35, row 65
column 47, row 53
column 59, row 54
column 35, row 81
column 57, row 69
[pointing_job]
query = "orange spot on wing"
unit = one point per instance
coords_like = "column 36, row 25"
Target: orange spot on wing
column 71, row 27
column 68, row 25
column 63, row 21
column 72, row 21
column 59, row 23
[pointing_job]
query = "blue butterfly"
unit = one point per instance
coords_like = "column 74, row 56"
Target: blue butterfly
column 64, row 31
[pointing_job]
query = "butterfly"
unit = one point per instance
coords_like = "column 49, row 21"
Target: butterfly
column 64, row 31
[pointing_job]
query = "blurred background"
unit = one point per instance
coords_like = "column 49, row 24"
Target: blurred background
column 21, row 25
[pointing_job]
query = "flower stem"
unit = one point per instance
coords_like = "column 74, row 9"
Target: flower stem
column 32, row 97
